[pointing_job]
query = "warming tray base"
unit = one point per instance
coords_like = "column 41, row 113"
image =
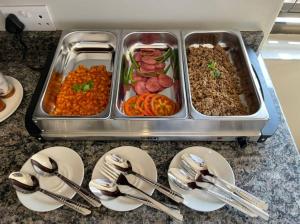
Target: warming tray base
column 112, row 127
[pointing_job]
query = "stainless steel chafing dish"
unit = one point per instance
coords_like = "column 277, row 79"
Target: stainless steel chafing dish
column 232, row 41
column 111, row 48
column 76, row 47
column 156, row 39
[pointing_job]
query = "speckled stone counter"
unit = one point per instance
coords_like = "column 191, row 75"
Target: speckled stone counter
column 269, row 170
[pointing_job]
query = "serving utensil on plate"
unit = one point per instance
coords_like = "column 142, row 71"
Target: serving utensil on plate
column 107, row 190
column 27, row 184
column 46, row 166
column 120, row 179
column 122, row 165
column 184, row 181
column 199, row 176
column 195, row 164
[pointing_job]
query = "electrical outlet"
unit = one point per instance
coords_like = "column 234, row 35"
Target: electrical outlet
column 35, row 17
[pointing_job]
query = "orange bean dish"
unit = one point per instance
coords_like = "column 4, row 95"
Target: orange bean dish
column 84, row 92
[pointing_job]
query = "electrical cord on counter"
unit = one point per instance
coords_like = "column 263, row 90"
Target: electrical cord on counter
column 15, row 26
column 18, row 39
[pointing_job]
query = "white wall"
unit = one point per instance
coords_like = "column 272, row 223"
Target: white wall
column 286, row 78
column 282, row 58
column 209, row 14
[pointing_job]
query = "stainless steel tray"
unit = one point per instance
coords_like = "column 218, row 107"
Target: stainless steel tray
column 76, row 48
column 187, row 124
column 151, row 39
column 238, row 56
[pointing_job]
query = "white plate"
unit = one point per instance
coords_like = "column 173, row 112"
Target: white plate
column 197, row 199
column 141, row 163
column 69, row 164
column 14, row 101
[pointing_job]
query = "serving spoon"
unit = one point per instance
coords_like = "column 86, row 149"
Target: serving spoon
column 107, row 190
column 46, row 166
column 120, row 179
column 196, row 165
column 200, row 178
column 27, row 184
column 124, row 166
column 185, row 182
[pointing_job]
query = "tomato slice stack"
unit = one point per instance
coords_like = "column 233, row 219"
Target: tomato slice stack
column 149, row 105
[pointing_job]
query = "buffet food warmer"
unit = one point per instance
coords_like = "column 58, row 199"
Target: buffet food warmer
column 113, row 48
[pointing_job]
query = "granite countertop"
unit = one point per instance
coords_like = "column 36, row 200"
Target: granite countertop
column 269, row 170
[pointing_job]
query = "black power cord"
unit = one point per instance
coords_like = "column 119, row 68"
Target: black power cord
column 19, row 38
column 15, row 26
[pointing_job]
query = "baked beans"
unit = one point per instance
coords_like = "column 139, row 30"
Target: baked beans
column 84, row 92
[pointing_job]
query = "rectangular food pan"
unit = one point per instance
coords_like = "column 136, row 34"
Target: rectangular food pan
column 197, row 64
column 133, row 74
column 87, row 48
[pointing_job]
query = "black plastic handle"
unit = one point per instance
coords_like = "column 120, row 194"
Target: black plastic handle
column 31, row 127
column 274, row 119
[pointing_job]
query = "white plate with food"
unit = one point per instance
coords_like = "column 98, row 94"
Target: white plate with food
column 197, row 199
column 141, row 163
column 11, row 103
column 69, row 164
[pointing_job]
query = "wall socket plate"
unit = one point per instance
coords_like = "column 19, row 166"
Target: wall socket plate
column 34, row 17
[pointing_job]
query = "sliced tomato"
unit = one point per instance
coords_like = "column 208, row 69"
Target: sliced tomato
column 140, row 103
column 130, row 107
column 147, row 104
column 162, row 105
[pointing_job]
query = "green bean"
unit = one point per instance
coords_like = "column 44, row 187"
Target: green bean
column 133, row 61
